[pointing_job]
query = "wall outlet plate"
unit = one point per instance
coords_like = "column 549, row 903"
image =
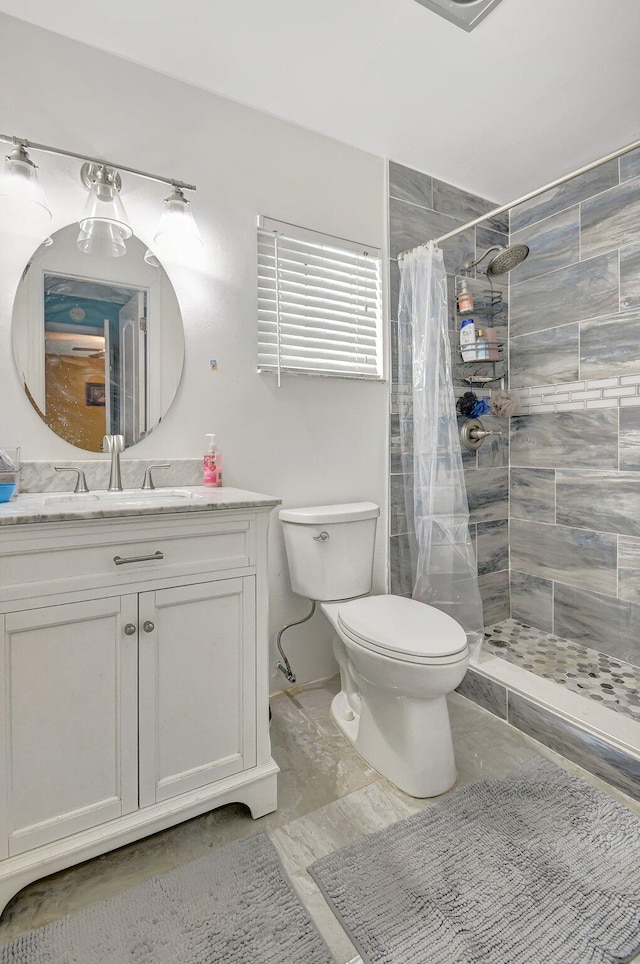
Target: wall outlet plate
column 464, row 13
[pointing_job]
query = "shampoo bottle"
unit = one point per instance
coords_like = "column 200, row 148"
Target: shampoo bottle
column 468, row 339
column 212, row 463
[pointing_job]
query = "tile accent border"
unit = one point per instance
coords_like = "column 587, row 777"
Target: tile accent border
column 592, row 393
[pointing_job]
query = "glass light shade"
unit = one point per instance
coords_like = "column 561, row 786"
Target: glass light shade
column 102, row 239
column 104, row 226
column 23, row 205
column 177, row 236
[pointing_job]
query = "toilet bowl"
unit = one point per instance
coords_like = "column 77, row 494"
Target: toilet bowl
column 398, row 657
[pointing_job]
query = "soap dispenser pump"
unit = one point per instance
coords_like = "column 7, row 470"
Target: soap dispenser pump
column 212, row 463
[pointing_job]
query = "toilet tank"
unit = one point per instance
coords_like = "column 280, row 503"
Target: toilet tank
column 330, row 549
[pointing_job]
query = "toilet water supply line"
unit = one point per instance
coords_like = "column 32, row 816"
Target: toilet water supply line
column 527, row 197
column 284, row 665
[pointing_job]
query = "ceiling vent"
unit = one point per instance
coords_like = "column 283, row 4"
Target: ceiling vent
column 464, row 13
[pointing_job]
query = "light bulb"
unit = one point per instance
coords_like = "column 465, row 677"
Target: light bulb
column 177, row 237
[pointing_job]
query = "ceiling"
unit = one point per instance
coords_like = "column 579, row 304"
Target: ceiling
column 539, row 88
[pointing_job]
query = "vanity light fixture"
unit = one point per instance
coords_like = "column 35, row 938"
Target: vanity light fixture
column 104, row 227
column 22, row 200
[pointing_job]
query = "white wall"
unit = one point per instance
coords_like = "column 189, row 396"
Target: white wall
column 314, row 440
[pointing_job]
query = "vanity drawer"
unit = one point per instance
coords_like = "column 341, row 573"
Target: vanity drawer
column 66, row 557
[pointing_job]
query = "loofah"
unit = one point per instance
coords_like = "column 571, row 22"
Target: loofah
column 505, row 404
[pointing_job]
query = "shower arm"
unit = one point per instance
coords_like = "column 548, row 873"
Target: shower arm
column 527, row 197
column 495, row 247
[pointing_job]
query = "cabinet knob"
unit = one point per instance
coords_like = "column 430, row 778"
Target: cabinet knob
column 130, row 629
column 148, row 626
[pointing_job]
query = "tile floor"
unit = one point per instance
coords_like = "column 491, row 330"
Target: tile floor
column 608, row 681
column 328, row 798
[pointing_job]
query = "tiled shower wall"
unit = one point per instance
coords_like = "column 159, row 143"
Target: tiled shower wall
column 575, row 456
column 422, row 208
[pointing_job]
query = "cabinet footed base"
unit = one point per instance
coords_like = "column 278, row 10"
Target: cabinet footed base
column 256, row 788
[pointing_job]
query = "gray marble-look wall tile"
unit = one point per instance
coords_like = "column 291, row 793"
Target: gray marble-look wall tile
column 611, row 345
column 553, row 243
column 532, row 494
column 409, row 185
column 395, row 444
column 611, row 219
column 410, row 225
column 397, row 508
column 484, row 692
column 487, row 238
column 492, row 546
column 494, row 451
column 630, row 165
column 594, row 499
column 576, row 557
column 629, row 569
column 597, row 621
column 400, row 572
column 461, row 204
column 584, row 290
column 494, row 590
column 394, row 289
column 545, row 357
column 630, row 276
column 566, row 195
column 532, row 600
column 488, row 494
column 565, row 439
column 587, row 750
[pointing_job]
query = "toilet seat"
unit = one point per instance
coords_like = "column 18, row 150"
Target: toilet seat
column 404, row 629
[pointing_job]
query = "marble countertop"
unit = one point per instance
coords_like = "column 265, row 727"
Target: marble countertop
column 34, row 507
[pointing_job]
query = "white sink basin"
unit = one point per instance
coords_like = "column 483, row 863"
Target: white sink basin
column 129, row 497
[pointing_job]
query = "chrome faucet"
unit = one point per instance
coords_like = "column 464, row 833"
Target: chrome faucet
column 115, row 445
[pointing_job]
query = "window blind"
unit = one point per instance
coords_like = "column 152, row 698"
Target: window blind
column 319, row 303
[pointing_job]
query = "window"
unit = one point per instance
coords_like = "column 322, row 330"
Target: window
column 319, row 303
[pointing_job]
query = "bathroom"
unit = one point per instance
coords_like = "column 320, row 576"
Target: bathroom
column 320, row 441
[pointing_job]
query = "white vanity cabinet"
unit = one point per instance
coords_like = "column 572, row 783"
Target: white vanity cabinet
column 133, row 680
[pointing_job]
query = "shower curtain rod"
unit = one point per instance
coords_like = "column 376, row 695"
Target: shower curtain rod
column 527, row 197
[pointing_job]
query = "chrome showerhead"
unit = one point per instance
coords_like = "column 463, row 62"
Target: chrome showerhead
column 504, row 261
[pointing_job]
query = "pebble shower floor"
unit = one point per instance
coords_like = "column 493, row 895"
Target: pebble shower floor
column 604, row 679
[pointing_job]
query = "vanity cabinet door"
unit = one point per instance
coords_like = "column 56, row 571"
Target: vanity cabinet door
column 197, row 686
column 68, row 692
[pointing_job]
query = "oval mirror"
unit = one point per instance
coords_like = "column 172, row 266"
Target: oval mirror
column 98, row 341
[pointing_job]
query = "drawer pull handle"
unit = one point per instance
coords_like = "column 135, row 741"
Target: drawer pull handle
column 121, row 561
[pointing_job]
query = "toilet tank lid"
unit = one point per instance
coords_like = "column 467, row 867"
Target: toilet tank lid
column 326, row 514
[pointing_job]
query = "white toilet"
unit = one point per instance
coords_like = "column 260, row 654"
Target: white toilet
column 398, row 657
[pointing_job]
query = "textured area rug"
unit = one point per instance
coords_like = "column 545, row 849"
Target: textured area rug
column 538, row 868
column 234, row 906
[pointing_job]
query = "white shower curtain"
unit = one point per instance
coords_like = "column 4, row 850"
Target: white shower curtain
column 442, row 555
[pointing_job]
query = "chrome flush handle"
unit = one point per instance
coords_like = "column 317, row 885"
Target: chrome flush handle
column 322, row 537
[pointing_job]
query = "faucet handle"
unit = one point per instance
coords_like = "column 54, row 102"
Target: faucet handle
column 148, row 481
column 81, row 482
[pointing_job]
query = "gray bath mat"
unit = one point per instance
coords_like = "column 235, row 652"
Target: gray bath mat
column 234, row 906
column 539, row 868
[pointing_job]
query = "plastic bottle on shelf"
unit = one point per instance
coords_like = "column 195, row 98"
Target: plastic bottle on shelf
column 212, row 474
column 468, row 339
column 465, row 297
column 482, row 345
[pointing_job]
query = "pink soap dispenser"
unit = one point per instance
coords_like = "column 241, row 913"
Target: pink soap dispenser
column 212, row 463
